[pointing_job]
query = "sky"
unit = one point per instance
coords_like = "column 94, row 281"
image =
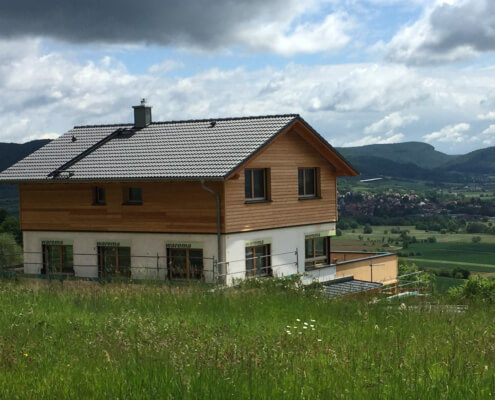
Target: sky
column 359, row 71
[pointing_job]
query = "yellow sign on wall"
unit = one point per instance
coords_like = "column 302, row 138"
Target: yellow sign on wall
column 313, row 235
column 258, row 242
column 184, row 245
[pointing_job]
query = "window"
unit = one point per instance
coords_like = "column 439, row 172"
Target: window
column 185, row 263
column 133, row 195
column 99, row 196
column 258, row 261
column 316, row 252
column 308, row 182
column 57, row 259
column 256, row 184
column 114, row 262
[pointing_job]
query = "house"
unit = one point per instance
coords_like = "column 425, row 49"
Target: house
column 215, row 199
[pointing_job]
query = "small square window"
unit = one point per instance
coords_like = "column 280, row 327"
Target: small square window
column 133, row 195
column 99, row 196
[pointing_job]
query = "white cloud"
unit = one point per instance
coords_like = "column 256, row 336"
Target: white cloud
column 278, row 36
column 390, row 122
column 448, row 31
column 488, row 116
column 490, row 130
column 165, row 66
column 449, row 134
column 50, row 92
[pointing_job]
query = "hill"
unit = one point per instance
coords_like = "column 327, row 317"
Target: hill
column 371, row 166
column 421, row 154
column 10, row 153
column 477, row 162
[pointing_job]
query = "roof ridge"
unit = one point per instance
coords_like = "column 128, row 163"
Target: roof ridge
column 195, row 120
column 102, row 125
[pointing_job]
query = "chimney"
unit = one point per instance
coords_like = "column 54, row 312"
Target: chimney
column 142, row 115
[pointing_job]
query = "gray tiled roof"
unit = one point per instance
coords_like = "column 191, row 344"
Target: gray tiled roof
column 162, row 150
column 348, row 286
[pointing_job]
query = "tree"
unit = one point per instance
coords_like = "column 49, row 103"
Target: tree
column 460, row 273
column 10, row 251
column 11, row 225
column 476, row 239
column 367, row 229
column 475, row 227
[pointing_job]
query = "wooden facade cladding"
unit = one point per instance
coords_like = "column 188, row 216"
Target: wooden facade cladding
column 282, row 157
column 185, row 207
column 166, row 207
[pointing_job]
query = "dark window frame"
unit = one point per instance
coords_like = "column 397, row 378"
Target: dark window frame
column 64, row 270
column 99, row 196
column 250, row 192
column 266, row 253
column 314, row 261
column 191, row 274
column 102, row 273
column 128, row 197
column 302, row 178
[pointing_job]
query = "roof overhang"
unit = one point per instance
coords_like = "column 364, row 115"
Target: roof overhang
column 313, row 138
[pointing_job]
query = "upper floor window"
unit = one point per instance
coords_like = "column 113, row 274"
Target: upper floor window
column 308, row 182
column 133, row 195
column 99, row 196
column 256, row 184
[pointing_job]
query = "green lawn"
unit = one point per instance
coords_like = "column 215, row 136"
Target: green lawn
column 87, row 340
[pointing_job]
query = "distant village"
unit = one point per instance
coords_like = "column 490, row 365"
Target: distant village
column 395, row 204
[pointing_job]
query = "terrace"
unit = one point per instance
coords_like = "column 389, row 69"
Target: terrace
column 375, row 267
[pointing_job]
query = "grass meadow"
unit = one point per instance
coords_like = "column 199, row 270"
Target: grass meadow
column 118, row 341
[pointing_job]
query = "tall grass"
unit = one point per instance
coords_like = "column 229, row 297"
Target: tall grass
column 140, row 341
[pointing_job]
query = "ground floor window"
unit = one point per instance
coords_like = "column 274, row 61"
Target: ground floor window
column 57, row 259
column 316, row 251
column 185, row 263
column 258, row 261
column 114, row 262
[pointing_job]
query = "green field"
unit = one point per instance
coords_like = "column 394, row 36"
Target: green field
column 450, row 250
column 87, row 340
column 443, row 284
column 379, row 233
column 482, row 254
